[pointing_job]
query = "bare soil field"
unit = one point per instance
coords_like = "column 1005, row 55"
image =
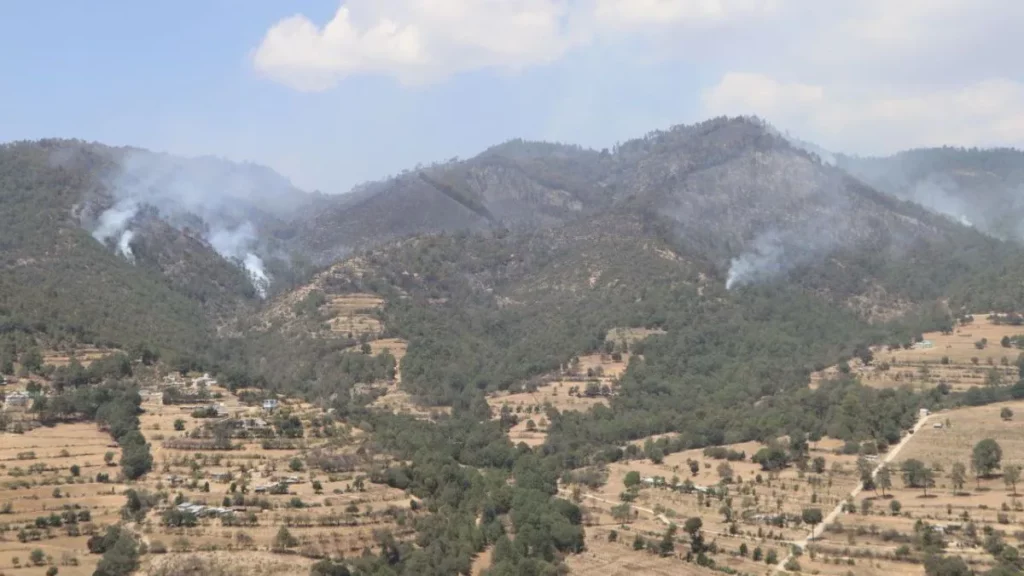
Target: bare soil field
column 396, row 346
column 36, row 481
column 954, row 358
column 228, row 564
column 314, row 483
column 983, row 503
column 401, row 402
column 737, row 516
column 619, row 558
column 338, row 514
column 566, row 390
column 631, row 335
column 352, row 314
column 85, row 356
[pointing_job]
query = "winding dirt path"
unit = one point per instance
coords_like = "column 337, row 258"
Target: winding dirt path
column 819, row 529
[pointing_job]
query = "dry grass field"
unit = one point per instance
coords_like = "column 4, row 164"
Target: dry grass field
column 85, row 356
column 37, row 482
column 631, row 335
column 352, row 314
column 983, row 505
column 739, row 515
column 868, row 538
column 317, row 486
column 395, row 346
column 339, row 515
column 565, row 390
column 401, row 402
column 619, row 558
column 227, row 564
column 952, row 358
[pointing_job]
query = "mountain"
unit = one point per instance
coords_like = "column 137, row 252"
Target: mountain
column 738, row 193
column 743, row 261
column 121, row 246
column 734, row 196
column 725, row 182
column 979, row 188
column 515, row 184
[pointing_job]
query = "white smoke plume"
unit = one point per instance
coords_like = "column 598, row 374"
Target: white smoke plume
column 124, row 245
column 254, row 265
column 114, row 223
column 935, row 195
column 765, row 259
column 236, row 244
column 210, row 197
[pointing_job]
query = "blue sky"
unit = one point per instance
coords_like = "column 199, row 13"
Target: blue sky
column 389, row 84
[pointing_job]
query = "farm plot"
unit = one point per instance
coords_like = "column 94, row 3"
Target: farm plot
column 293, row 480
column 56, row 491
column 579, row 386
column 354, row 314
column 228, row 564
column 750, row 516
column 972, row 515
column 972, row 355
column 390, row 395
column 85, row 356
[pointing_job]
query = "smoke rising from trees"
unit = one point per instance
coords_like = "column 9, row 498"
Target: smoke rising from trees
column 211, row 198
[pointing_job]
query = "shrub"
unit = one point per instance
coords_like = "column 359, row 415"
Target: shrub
column 37, row 556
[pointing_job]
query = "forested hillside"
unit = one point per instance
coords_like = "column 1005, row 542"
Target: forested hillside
column 57, row 280
column 751, row 262
column 163, row 279
column 980, row 188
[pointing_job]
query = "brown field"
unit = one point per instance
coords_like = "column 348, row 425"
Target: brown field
column 788, row 491
column 254, row 465
column 35, row 480
column 619, row 558
column 951, row 358
column 557, row 391
column 342, row 519
column 348, row 314
column 401, row 402
column 227, row 564
column 85, row 356
column 631, row 335
column 396, row 346
column 988, row 503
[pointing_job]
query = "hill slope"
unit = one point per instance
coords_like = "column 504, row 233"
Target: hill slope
column 980, row 188
column 155, row 276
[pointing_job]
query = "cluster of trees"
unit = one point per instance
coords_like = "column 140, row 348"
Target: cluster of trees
column 120, row 550
column 114, row 405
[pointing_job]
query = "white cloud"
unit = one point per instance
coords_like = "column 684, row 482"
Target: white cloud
column 866, row 76
column 419, row 41
column 635, row 13
column 878, row 119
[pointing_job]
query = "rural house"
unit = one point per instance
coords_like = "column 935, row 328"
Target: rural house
column 17, row 399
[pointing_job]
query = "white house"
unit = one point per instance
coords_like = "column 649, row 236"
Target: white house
column 270, row 404
column 19, row 399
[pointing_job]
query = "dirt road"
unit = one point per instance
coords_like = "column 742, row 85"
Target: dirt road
column 820, row 528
